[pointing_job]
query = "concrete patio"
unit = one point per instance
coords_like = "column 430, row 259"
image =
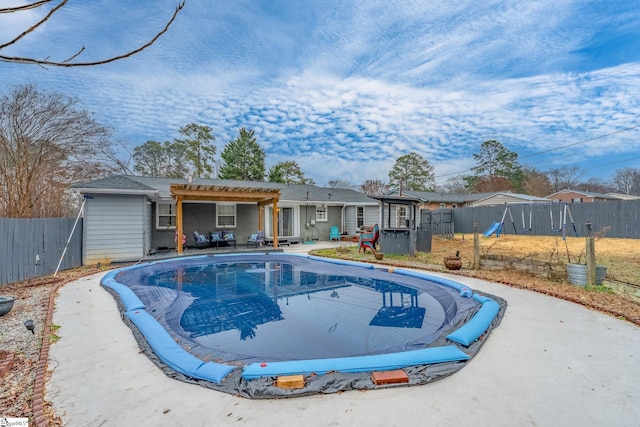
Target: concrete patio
column 549, row 363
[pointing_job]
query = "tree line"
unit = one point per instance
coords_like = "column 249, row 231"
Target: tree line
column 48, row 142
column 193, row 156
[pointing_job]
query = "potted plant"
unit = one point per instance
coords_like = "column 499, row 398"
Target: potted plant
column 453, row 262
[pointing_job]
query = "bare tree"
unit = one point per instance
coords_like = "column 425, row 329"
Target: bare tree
column 46, row 143
column 453, row 184
column 595, row 185
column 69, row 62
column 565, row 177
column 627, row 181
column 375, row 187
column 342, row 183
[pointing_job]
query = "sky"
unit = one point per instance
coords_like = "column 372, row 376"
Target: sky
column 344, row 88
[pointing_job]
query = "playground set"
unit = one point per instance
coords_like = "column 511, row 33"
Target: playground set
column 498, row 227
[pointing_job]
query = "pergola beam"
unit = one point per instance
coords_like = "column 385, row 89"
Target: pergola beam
column 212, row 193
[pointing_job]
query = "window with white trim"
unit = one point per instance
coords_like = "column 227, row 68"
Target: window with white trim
column 359, row 216
column 321, row 213
column 401, row 219
column 576, row 200
column 166, row 216
column 225, row 216
column 443, row 205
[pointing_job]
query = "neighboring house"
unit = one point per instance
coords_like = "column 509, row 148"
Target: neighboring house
column 575, row 196
column 497, row 199
column 435, row 200
column 127, row 217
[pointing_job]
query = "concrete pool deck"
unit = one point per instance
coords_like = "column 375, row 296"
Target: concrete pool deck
column 549, row 363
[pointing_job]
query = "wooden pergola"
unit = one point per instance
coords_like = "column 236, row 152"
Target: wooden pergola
column 213, row 193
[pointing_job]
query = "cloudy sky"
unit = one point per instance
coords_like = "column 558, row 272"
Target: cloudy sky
column 346, row 87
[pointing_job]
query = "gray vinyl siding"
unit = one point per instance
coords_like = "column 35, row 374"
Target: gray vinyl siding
column 146, row 226
column 349, row 220
column 371, row 217
column 115, row 228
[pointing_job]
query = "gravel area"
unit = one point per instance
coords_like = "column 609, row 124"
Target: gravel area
column 32, row 303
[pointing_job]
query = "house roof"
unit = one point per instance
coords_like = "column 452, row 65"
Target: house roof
column 159, row 188
column 584, row 193
column 623, row 196
column 439, row 197
column 511, row 198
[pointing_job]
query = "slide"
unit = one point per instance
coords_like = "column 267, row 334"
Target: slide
column 494, row 227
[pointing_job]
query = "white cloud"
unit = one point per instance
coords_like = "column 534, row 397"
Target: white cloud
column 335, row 84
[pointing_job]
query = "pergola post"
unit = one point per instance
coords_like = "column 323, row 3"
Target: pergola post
column 275, row 223
column 179, row 227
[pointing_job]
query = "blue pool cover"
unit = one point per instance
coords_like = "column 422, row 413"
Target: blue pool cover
column 426, row 325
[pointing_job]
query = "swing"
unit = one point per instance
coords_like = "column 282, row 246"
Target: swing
column 524, row 228
column 501, row 227
column 553, row 229
column 562, row 221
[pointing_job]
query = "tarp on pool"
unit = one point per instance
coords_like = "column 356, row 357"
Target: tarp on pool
column 438, row 359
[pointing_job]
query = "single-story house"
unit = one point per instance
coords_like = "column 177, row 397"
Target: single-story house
column 497, row 199
column 436, row 200
column 575, row 196
column 128, row 217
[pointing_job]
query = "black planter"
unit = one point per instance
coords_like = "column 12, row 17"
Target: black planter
column 6, row 304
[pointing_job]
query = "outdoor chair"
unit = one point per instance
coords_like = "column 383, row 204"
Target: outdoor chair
column 224, row 237
column 256, row 239
column 201, row 240
column 216, row 239
column 334, row 233
column 369, row 239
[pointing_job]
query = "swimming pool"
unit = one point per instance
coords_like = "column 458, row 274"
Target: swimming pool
column 244, row 319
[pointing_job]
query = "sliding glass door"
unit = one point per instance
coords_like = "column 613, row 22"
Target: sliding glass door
column 287, row 226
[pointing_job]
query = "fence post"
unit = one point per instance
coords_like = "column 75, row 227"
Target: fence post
column 591, row 257
column 476, row 247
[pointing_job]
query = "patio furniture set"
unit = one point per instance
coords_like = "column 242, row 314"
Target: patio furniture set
column 224, row 238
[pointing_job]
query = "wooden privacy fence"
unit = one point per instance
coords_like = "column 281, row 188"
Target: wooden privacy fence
column 32, row 247
column 614, row 219
column 440, row 222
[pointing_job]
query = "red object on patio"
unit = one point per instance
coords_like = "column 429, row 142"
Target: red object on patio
column 369, row 240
